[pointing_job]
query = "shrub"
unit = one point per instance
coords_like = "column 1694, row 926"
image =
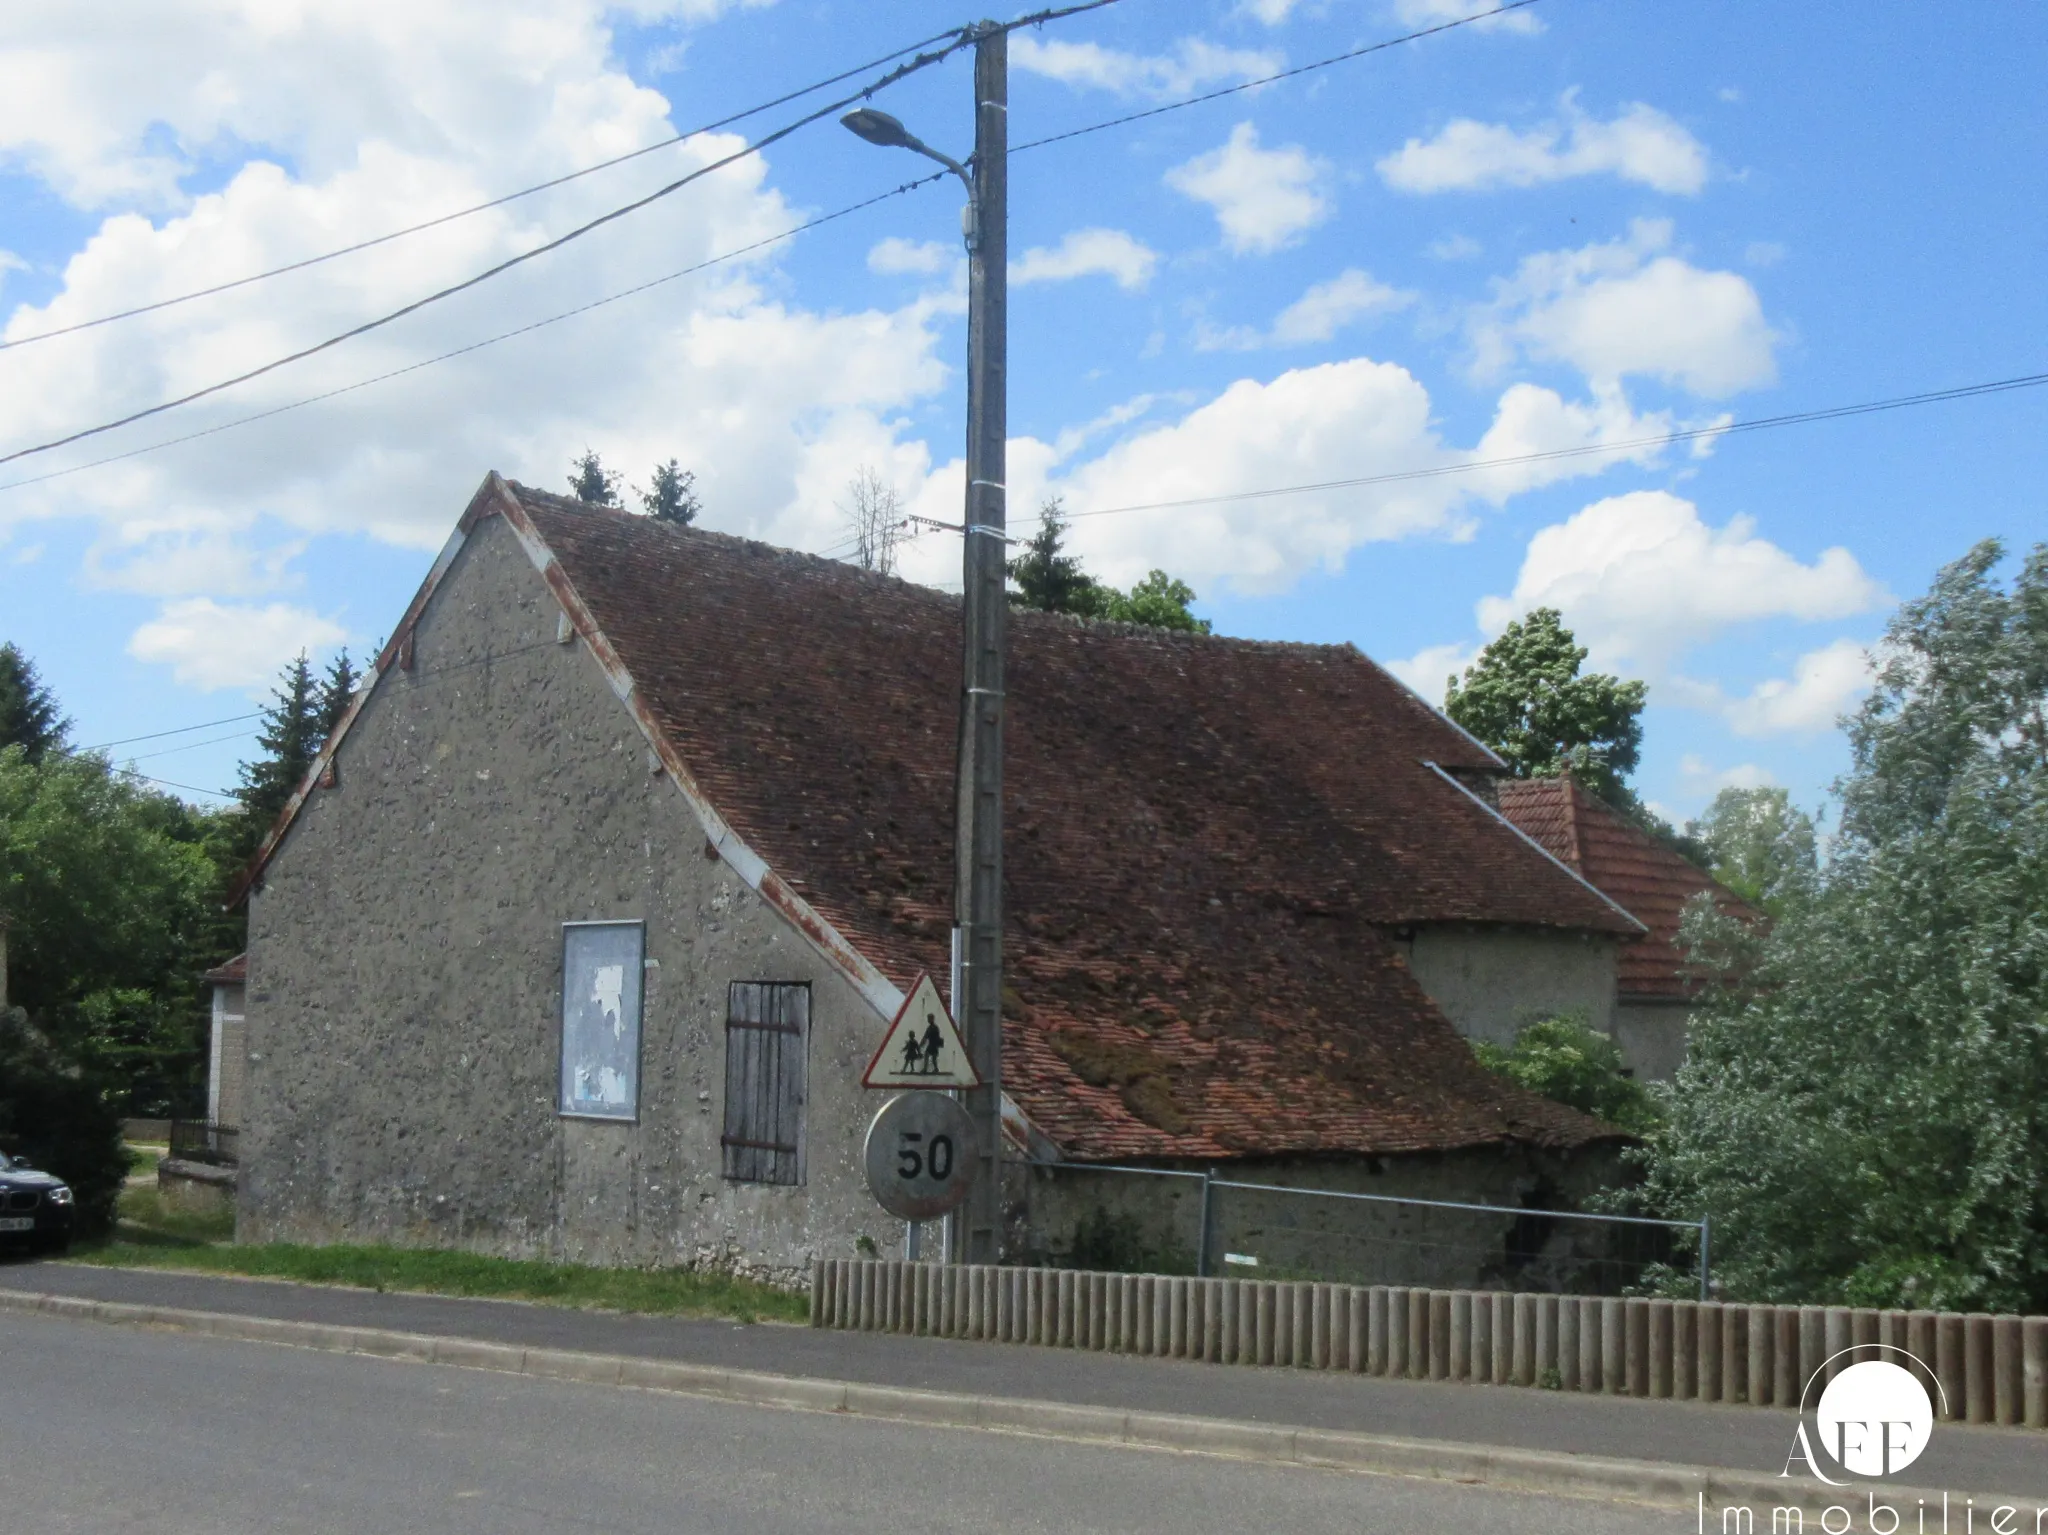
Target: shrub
column 1563, row 1059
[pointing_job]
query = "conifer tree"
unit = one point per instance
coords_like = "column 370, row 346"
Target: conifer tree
column 29, row 716
column 671, row 494
column 291, row 736
column 337, row 689
column 591, row 482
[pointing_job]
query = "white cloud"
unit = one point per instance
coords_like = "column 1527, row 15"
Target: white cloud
column 897, row 256
column 1429, row 13
column 1640, row 578
column 1429, row 669
column 1630, row 308
column 1271, row 12
column 1193, row 64
column 1264, row 199
column 1453, row 247
column 1640, row 144
column 1088, row 252
column 1318, row 315
column 208, row 645
column 421, row 109
column 1341, row 420
column 1823, row 685
column 1705, row 780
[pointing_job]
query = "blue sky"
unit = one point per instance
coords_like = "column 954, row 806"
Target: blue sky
column 1587, row 223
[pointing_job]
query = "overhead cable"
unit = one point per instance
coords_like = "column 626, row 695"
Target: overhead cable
column 921, row 61
column 477, row 346
column 474, row 208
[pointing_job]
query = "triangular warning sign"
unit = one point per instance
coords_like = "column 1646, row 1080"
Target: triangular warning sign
column 922, row 1048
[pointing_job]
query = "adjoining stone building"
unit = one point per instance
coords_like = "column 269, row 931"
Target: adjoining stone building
column 578, row 936
column 1654, row 991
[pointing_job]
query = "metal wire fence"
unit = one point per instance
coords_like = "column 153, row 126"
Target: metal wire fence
column 1176, row 1221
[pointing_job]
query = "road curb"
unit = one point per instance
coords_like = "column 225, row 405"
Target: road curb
column 1553, row 1473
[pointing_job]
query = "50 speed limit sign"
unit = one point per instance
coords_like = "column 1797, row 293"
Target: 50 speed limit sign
column 920, row 1155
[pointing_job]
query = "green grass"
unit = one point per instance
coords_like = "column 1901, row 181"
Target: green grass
column 662, row 1292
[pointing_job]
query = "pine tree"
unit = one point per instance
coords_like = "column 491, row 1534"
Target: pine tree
column 671, row 495
column 591, row 482
column 28, row 710
column 336, row 692
column 1048, row 578
column 291, row 736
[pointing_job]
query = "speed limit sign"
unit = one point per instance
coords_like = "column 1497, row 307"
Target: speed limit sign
column 919, row 1155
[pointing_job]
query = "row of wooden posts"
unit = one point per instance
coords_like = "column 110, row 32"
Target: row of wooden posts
column 1985, row 1369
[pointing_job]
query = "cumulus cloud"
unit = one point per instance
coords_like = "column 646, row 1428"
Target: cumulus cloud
column 1629, row 308
column 1193, row 64
column 1641, row 578
column 209, row 645
column 1264, row 199
column 1085, row 253
column 421, row 108
column 1318, row 315
column 1431, row 668
column 1704, row 779
column 897, row 256
column 1352, row 419
column 1639, row 144
column 1823, row 686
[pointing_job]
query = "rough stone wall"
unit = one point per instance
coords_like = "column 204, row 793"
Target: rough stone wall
column 1491, row 981
column 405, row 974
column 1154, row 1223
column 1652, row 1036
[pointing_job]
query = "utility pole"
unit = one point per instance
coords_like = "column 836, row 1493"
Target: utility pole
column 976, row 1229
column 978, row 845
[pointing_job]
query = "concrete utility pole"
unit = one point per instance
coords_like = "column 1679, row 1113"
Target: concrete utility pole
column 978, row 847
column 977, row 1227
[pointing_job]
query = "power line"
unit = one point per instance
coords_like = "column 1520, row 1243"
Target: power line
column 921, row 61
column 158, row 735
column 1665, row 439
column 1285, row 74
column 475, row 346
column 483, row 207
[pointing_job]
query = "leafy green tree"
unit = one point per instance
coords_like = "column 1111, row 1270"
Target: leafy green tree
column 57, row 1116
column 103, row 892
column 671, row 494
column 1562, row 1058
column 1524, row 697
column 1050, row 580
column 1159, row 602
column 591, row 482
column 1759, row 844
column 29, row 716
column 1864, row 1109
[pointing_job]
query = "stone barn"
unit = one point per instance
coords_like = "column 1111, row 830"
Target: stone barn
column 578, row 936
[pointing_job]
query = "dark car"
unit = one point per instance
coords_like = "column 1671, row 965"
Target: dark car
column 35, row 1208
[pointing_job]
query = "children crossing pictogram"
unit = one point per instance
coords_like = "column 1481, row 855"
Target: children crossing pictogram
column 922, row 1047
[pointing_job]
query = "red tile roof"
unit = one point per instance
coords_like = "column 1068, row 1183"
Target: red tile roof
column 1625, row 862
column 234, row 972
column 1204, row 836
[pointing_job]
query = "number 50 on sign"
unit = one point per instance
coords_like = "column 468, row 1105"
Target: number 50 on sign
column 919, row 1155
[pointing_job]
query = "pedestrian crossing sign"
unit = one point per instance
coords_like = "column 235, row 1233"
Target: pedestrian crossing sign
column 922, row 1047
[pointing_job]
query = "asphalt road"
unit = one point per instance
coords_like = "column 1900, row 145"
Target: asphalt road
column 108, row 1429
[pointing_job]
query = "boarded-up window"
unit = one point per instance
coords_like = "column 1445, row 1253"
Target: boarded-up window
column 767, row 1034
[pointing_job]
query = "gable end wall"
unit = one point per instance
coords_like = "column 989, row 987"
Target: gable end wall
column 405, row 974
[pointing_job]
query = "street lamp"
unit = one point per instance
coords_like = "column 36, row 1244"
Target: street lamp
column 978, row 836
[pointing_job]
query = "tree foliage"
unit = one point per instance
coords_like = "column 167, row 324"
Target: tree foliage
column 1564, row 1059
column 1525, row 698
column 671, row 494
column 294, row 726
column 1864, row 1110
column 1759, row 844
column 591, row 482
column 1050, row 580
column 58, row 1117
column 29, row 716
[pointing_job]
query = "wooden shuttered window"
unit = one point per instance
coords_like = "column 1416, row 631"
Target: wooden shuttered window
column 767, row 1036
